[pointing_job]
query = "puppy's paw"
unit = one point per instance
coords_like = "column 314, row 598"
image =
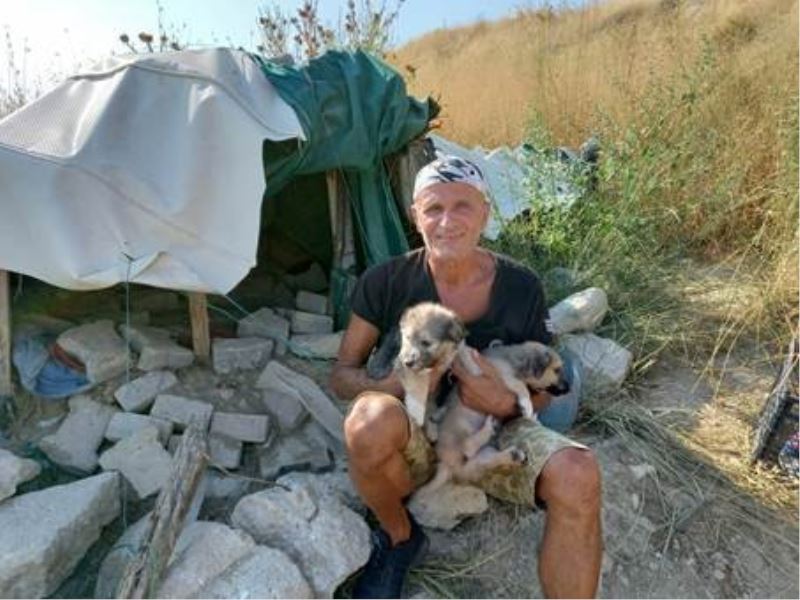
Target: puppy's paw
column 518, row 455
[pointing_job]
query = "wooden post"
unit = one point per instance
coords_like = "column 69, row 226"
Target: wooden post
column 143, row 574
column 6, row 387
column 198, row 313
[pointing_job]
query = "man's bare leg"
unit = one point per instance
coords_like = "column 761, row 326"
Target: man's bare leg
column 376, row 432
column 572, row 547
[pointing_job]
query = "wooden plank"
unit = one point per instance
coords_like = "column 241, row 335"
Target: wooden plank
column 144, row 573
column 6, row 386
column 198, row 313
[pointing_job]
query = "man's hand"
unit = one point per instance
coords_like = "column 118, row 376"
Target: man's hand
column 486, row 392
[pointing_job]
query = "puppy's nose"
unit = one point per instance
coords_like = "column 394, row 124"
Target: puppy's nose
column 409, row 362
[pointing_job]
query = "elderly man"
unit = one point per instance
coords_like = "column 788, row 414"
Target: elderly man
column 389, row 455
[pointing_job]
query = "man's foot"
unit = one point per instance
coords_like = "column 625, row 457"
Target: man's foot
column 386, row 570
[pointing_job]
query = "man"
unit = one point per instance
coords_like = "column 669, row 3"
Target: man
column 389, row 456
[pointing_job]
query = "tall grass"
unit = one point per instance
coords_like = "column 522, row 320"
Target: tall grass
column 695, row 104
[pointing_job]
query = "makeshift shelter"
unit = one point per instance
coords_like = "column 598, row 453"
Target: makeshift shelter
column 152, row 169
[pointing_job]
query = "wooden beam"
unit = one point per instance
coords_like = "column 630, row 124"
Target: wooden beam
column 6, row 386
column 144, row 573
column 201, row 339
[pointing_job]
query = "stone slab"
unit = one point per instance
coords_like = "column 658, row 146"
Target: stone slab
column 306, row 322
column 138, row 395
column 74, row 445
column 316, row 345
column 224, row 451
column 45, row 534
column 280, row 399
column 241, row 426
column 311, row 303
column 265, row 323
column 182, row 411
column 141, row 460
column 238, row 354
column 98, row 347
column 156, row 348
column 14, row 471
column 124, row 424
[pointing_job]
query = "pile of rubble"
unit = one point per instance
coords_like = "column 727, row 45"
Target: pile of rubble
column 301, row 534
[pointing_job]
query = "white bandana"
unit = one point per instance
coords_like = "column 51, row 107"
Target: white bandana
column 449, row 169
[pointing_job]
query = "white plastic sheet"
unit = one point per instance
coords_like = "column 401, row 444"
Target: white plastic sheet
column 147, row 169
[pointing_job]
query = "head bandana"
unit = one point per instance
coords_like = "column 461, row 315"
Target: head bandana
column 449, row 169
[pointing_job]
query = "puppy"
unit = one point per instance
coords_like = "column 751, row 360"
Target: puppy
column 430, row 338
column 463, row 446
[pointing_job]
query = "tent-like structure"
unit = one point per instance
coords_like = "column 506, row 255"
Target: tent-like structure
column 153, row 169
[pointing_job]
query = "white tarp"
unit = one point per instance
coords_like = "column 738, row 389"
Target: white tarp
column 148, row 168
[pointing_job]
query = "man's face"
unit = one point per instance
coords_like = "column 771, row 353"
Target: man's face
column 450, row 217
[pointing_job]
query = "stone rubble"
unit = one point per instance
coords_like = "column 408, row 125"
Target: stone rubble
column 239, row 354
column 311, row 302
column 138, row 395
column 182, row 411
column 316, row 345
column 14, row 471
column 156, row 348
column 141, row 460
column 46, row 533
column 74, row 445
column 239, row 426
column 98, row 347
column 124, row 424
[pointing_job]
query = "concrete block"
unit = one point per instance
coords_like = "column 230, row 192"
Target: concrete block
column 316, row 345
column 182, row 411
column 157, row 350
column 13, row 471
column 45, row 534
column 240, row 353
column 312, row 303
column 98, row 347
column 579, row 312
column 240, row 426
column 605, row 363
column 265, row 323
column 280, row 399
column 139, row 394
column 224, row 451
column 306, row 322
column 124, row 424
column 74, row 445
column 141, row 460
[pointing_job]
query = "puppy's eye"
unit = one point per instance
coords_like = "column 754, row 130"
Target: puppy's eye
column 425, row 343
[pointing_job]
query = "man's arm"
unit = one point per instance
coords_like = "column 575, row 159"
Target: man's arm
column 349, row 376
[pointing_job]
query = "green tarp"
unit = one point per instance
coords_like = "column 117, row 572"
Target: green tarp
column 354, row 110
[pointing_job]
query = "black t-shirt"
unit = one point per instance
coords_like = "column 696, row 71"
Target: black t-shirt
column 517, row 307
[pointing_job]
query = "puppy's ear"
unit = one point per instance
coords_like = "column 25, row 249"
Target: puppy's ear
column 456, row 332
column 537, row 363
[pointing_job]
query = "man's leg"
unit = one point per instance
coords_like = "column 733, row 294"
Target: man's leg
column 572, row 548
column 376, row 432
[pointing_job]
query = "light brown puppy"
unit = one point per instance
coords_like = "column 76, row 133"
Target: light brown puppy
column 430, row 338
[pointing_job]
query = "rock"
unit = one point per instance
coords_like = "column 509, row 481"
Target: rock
column 124, row 424
column 327, row 540
column 118, row 558
column 305, row 322
column 46, row 533
column 312, row 303
column 203, row 552
column 98, row 347
column 335, row 486
column 313, row 398
column 299, row 451
column 142, row 461
column 265, row 323
column 447, row 506
column 139, row 394
column 239, row 426
column 224, row 451
column 13, row 471
column 182, row 411
column 280, row 399
column 317, row 345
column 314, row 279
column 264, row 573
column 157, row 350
column 219, row 485
column 579, row 312
column 74, row 445
column 240, row 353
column 605, row 363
